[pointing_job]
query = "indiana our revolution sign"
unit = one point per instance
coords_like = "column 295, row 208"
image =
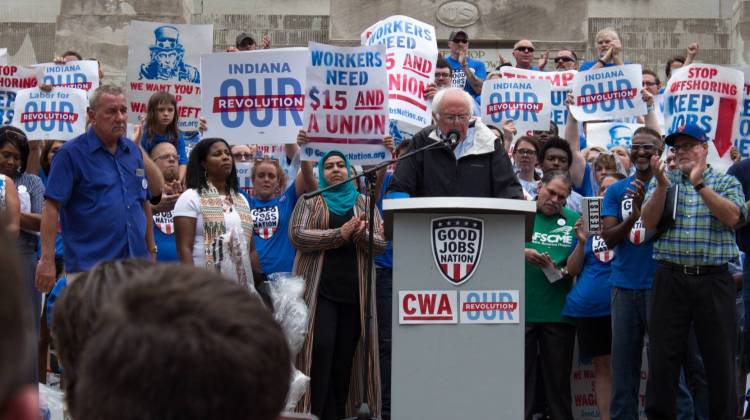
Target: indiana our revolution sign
column 56, row 115
column 166, row 58
column 256, row 96
column 710, row 96
column 411, row 53
column 608, row 93
column 346, row 102
column 525, row 101
column 742, row 128
column 82, row 74
column 13, row 79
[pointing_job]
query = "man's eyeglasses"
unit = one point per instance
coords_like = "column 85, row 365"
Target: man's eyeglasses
column 525, row 49
column 565, row 59
column 443, row 75
column 644, row 147
column 242, row 156
column 167, row 156
column 451, row 118
column 461, row 41
column 649, row 84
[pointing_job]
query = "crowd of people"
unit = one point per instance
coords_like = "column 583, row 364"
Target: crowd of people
column 131, row 238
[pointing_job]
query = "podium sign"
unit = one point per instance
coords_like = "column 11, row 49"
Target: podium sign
column 458, row 315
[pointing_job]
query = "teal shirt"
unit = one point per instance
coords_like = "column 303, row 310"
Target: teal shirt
column 698, row 237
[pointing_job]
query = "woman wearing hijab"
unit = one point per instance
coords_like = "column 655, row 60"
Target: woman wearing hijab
column 330, row 235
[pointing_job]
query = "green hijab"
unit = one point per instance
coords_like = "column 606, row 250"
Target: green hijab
column 340, row 199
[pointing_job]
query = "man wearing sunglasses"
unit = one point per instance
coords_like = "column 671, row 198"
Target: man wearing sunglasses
column 692, row 283
column 566, row 60
column 523, row 52
column 468, row 74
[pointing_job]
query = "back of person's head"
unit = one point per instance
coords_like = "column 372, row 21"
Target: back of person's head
column 183, row 343
column 17, row 391
column 78, row 309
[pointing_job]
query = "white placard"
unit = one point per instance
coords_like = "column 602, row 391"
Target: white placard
column 709, row 96
column 166, row 57
column 346, row 102
column 13, row 79
column 56, row 115
column 525, row 101
column 255, row 97
column 610, row 134
column 411, row 48
column 608, row 93
column 82, row 74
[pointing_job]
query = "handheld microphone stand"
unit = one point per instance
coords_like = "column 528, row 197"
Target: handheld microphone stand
column 370, row 177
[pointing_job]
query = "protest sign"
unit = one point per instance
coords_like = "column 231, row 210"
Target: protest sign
column 83, row 74
column 561, row 83
column 244, row 172
column 166, row 58
column 256, row 96
column 710, row 97
column 608, row 93
column 742, row 128
column 411, row 49
column 3, row 56
column 56, row 115
column 610, row 134
column 13, row 79
column 346, row 102
column 525, row 101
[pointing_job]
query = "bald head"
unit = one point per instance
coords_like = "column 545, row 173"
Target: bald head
column 523, row 52
column 167, row 159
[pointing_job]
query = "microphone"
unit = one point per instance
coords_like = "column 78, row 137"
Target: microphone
column 452, row 138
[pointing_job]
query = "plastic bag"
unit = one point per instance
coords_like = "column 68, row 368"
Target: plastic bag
column 291, row 313
column 51, row 403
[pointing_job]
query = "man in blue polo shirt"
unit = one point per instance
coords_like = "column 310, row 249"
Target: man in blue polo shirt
column 98, row 186
column 632, row 273
column 468, row 74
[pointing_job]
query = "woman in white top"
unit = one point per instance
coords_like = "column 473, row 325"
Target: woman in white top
column 10, row 208
column 213, row 223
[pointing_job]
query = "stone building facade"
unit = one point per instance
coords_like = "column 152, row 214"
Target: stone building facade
column 651, row 30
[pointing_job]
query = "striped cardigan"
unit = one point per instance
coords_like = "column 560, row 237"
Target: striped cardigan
column 310, row 235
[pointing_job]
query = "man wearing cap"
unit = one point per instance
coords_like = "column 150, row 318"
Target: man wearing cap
column 692, row 283
column 468, row 74
column 167, row 54
column 245, row 42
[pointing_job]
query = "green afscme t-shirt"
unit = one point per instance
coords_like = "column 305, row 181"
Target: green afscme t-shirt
column 555, row 236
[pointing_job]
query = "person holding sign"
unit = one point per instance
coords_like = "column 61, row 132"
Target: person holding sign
column 692, row 283
column 330, row 234
column 476, row 155
column 468, row 73
column 272, row 206
column 608, row 48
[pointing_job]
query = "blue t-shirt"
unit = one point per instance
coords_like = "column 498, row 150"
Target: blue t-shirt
column 741, row 171
column 385, row 260
column 149, row 143
column 166, row 246
column 635, row 265
column 460, row 80
column 270, row 231
column 586, row 65
column 590, row 296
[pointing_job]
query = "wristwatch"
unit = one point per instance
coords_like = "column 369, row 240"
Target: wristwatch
column 699, row 186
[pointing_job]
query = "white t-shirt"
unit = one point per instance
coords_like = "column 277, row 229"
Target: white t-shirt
column 189, row 205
